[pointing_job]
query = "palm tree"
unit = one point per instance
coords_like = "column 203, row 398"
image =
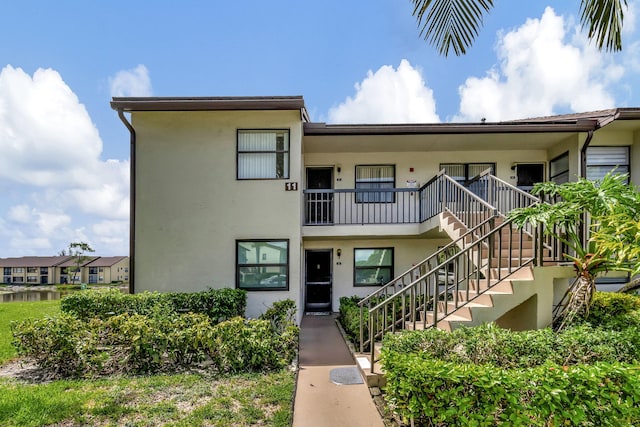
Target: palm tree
column 447, row 24
column 610, row 209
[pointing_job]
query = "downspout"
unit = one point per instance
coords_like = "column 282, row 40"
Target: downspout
column 132, row 200
column 583, row 174
column 583, row 154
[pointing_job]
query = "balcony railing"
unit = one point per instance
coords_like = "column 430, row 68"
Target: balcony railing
column 394, row 205
column 362, row 206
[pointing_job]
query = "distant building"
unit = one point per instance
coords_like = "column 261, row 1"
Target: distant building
column 59, row 269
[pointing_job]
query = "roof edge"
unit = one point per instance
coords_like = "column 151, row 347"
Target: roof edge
column 130, row 104
column 320, row 129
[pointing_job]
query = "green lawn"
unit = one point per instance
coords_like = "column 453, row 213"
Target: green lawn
column 176, row 400
column 17, row 311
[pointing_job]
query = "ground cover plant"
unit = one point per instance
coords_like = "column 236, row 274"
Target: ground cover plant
column 589, row 374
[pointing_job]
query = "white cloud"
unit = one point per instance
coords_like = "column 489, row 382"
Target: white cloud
column 134, row 82
column 540, row 73
column 389, row 96
column 56, row 184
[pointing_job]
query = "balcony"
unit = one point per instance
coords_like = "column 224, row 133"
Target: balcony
column 365, row 207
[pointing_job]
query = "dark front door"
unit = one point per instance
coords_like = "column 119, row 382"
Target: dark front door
column 318, row 280
column 528, row 175
column 319, row 202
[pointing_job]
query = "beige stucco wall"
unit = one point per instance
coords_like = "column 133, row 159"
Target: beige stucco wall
column 425, row 164
column 407, row 252
column 190, row 209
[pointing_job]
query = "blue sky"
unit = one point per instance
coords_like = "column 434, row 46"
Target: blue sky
column 64, row 153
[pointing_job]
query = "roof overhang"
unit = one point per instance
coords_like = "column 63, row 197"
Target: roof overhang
column 321, row 129
column 235, row 103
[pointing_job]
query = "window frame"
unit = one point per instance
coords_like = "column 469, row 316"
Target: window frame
column 384, row 197
column 467, row 178
column 286, row 153
column 612, row 166
column 391, row 267
column 556, row 159
column 267, row 288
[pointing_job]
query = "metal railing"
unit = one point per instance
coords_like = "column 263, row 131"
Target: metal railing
column 444, row 288
column 394, row 205
column 503, row 196
column 362, row 206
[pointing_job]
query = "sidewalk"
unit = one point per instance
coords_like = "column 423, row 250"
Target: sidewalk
column 324, row 358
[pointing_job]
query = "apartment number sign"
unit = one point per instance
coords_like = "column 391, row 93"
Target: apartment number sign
column 291, row 186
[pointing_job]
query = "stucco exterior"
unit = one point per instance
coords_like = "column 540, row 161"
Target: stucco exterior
column 190, row 208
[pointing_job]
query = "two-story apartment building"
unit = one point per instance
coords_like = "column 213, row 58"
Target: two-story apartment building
column 43, row 270
column 247, row 192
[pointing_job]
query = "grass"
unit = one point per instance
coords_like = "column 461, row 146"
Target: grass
column 181, row 399
column 176, row 400
column 18, row 311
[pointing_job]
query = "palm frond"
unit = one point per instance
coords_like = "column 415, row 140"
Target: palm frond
column 448, row 24
column 603, row 20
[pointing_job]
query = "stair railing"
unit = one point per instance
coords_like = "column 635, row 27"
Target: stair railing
column 408, row 278
column 449, row 285
column 438, row 195
column 498, row 193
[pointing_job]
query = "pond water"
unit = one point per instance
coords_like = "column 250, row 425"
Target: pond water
column 41, row 294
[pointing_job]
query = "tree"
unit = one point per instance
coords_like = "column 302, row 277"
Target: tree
column 77, row 250
column 447, row 24
column 610, row 209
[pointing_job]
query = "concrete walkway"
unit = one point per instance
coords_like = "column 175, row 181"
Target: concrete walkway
column 320, row 402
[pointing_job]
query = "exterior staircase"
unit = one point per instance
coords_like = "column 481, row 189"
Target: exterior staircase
column 486, row 271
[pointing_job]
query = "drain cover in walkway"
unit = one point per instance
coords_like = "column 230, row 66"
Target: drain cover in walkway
column 345, row 376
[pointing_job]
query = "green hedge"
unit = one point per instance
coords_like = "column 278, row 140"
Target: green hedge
column 158, row 342
column 349, row 317
column 487, row 375
column 433, row 392
column 218, row 304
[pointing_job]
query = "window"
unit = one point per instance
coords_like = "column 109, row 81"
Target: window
column 262, row 264
column 601, row 160
column 32, row 269
column 263, row 154
column 463, row 172
column 18, row 280
column 32, row 279
column 375, row 176
column 559, row 169
column 373, row 266
column 18, row 270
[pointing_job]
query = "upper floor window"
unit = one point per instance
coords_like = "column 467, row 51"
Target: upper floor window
column 263, row 154
column 375, row 177
column 601, row 160
column 559, row 169
column 463, row 172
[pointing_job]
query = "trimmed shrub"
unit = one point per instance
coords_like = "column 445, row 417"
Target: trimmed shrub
column 349, row 317
column 433, row 392
column 613, row 310
column 158, row 341
column 489, row 376
column 281, row 314
column 218, row 304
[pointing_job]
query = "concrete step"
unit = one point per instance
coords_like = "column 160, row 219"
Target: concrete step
column 491, row 286
column 481, row 300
